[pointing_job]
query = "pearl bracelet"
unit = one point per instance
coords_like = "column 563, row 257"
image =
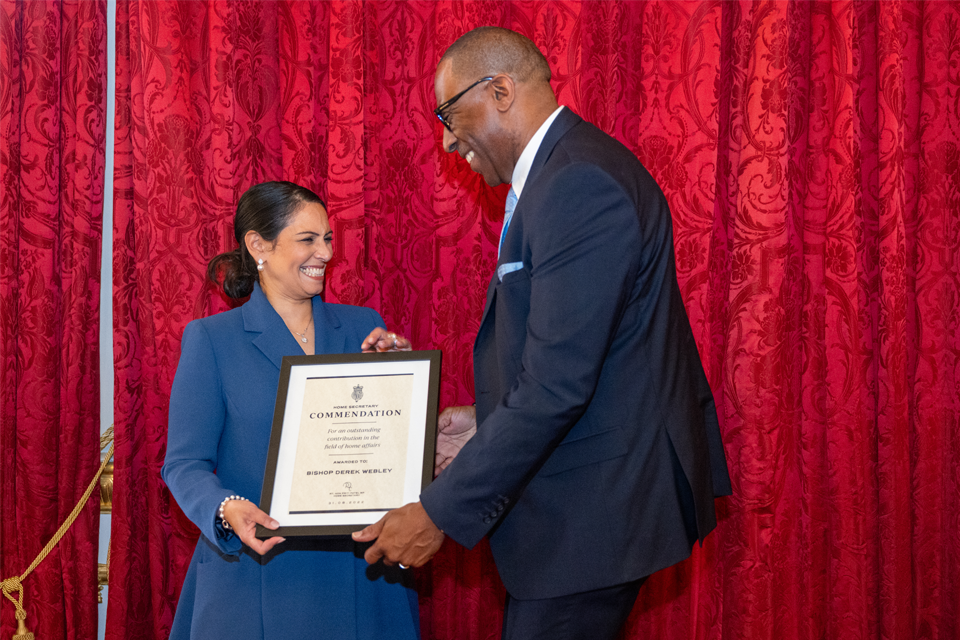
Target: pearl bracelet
column 223, row 521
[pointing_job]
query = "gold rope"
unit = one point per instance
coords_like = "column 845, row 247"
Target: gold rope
column 15, row 584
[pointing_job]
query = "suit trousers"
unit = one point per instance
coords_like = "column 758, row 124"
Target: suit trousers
column 591, row 615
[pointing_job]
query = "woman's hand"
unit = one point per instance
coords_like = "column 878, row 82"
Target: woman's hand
column 381, row 340
column 244, row 516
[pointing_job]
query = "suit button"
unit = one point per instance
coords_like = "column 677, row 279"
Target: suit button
column 487, row 520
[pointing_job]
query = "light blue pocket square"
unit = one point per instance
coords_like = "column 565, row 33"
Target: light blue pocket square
column 508, row 267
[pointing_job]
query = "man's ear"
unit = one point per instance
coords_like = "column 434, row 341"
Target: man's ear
column 504, row 91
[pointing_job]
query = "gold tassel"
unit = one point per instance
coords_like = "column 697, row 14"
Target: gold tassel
column 22, row 633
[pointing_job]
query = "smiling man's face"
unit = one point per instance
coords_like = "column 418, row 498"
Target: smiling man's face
column 476, row 129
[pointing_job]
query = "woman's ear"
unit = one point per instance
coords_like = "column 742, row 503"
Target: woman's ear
column 257, row 247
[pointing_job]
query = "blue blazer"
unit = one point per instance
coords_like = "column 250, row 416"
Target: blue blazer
column 221, row 412
column 597, row 455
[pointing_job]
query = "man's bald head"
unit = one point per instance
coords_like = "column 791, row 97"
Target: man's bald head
column 492, row 50
column 490, row 125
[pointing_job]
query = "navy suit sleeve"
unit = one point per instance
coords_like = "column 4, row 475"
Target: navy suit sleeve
column 197, row 418
column 583, row 239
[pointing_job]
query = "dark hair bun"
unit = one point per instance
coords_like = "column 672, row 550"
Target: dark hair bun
column 229, row 271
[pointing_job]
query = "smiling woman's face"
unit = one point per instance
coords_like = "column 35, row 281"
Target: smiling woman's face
column 294, row 265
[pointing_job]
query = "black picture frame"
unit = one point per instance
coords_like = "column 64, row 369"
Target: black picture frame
column 298, row 371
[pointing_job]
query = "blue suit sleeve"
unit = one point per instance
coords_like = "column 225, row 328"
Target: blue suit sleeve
column 196, row 422
column 375, row 319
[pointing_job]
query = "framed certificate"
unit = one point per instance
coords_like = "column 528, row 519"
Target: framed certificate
column 353, row 436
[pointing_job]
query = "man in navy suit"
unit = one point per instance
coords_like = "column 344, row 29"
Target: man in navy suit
column 596, row 455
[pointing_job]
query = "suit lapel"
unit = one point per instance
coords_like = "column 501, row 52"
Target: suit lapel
column 327, row 334
column 491, row 294
column 276, row 341
column 564, row 121
column 260, row 317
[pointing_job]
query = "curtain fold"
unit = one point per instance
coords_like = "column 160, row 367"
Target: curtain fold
column 53, row 68
column 810, row 153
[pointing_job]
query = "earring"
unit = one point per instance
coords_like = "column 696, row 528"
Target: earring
column 260, row 264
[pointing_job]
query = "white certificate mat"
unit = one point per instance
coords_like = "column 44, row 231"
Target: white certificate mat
column 353, row 436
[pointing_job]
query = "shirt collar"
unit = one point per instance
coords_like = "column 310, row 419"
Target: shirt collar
column 522, row 169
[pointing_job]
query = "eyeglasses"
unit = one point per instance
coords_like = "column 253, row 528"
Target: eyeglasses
column 439, row 110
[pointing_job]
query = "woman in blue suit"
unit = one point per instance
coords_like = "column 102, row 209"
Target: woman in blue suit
column 221, row 411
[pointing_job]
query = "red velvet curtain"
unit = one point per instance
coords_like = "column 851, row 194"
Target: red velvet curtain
column 53, row 72
column 810, row 153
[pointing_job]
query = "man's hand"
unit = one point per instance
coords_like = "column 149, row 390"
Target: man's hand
column 244, row 516
column 455, row 426
column 381, row 340
column 404, row 536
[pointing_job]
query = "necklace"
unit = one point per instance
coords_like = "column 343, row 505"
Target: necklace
column 303, row 336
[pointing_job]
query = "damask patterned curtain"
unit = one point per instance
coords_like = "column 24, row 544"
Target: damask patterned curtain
column 53, row 73
column 810, row 153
